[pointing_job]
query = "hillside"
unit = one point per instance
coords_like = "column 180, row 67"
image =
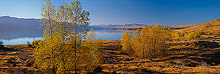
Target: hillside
column 212, row 27
column 182, row 26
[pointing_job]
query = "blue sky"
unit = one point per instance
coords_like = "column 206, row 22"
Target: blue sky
column 150, row 12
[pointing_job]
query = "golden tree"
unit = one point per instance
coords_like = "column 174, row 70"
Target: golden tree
column 94, row 50
column 149, row 43
column 176, row 35
column 136, row 44
column 156, row 39
column 79, row 20
column 60, row 49
column 46, row 60
column 47, row 20
column 193, row 35
column 145, row 41
column 126, row 43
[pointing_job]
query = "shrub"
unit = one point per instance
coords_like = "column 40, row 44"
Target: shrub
column 176, row 35
column 193, row 35
column 35, row 42
column 28, row 44
column 218, row 34
column 1, row 43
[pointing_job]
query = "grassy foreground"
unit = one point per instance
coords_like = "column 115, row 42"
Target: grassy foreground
column 195, row 56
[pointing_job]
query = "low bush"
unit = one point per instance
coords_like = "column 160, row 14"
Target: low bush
column 35, row 42
column 28, row 44
column 1, row 44
column 193, row 35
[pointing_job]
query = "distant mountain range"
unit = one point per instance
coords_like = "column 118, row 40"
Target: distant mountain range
column 13, row 27
column 120, row 27
column 13, row 22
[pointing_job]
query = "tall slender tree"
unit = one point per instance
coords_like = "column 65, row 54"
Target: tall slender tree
column 79, row 20
column 136, row 44
column 126, row 43
column 64, row 31
column 47, row 21
column 94, row 50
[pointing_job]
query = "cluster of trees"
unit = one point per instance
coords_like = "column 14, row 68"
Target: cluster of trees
column 149, row 42
column 193, row 35
column 175, row 35
column 65, row 46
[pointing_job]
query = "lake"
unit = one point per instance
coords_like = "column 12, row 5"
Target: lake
column 13, row 38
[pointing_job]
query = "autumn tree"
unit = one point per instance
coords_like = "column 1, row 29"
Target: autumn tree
column 175, row 35
column 150, row 42
column 158, row 36
column 61, row 49
column 47, row 20
column 136, row 44
column 79, row 20
column 45, row 54
column 126, row 43
column 93, row 47
column 193, row 35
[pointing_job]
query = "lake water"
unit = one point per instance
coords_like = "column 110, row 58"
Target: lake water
column 22, row 38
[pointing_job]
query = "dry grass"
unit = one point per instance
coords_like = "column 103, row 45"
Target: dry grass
column 209, row 27
column 182, row 57
column 17, row 59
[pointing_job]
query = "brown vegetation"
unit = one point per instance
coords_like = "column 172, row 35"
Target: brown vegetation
column 181, row 26
column 211, row 27
column 184, row 57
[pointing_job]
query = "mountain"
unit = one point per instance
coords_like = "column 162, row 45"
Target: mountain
column 124, row 27
column 212, row 27
column 12, row 27
column 181, row 26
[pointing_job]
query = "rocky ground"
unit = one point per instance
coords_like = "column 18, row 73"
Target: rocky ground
column 198, row 56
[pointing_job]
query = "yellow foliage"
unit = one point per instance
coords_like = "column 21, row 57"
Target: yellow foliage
column 126, row 42
column 193, row 35
column 94, row 54
column 61, row 48
column 176, row 35
column 136, row 43
column 147, row 43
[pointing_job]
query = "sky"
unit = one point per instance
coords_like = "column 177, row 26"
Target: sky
column 149, row 12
